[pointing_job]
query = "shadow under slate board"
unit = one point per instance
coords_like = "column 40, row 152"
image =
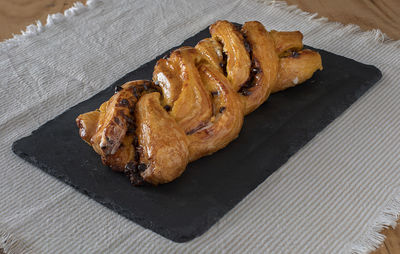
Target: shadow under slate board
column 210, row 186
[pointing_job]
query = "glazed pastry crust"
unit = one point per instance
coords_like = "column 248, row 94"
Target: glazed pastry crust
column 197, row 100
column 164, row 145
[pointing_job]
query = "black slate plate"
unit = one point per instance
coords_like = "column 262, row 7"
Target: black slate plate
column 211, row 186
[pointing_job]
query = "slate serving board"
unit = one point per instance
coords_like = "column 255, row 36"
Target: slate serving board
column 211, row 186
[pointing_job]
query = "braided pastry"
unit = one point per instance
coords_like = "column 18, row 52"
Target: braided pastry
column 197, row 100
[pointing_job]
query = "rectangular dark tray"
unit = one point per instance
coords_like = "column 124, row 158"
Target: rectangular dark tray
column 211, row 186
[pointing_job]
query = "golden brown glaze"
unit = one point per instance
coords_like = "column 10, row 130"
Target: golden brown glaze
column 164, row 145
column 193, row 106
column 87, row 124
column 297, row 68
column 227, row 118
column 197, row 100
column 265, row 64
column 285, row 41
column 238, row 61
column 165, row 72
column 213, row 51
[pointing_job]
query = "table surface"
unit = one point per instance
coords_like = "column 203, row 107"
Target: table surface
column 368, row 14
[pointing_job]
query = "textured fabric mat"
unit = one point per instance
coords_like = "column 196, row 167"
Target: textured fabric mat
column 333, row 196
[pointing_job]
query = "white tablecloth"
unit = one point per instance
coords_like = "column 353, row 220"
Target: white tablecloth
column 333, row 196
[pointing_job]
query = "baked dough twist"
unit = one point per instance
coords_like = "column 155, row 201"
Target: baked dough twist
column 197, row 100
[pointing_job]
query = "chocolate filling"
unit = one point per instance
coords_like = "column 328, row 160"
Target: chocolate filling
column 167, row 108
column 246, row 44
column 133, row 172
column 117, row 89
column 292, row 52
column 123, row 103
column 295, row 54
column 131, row 129
column 237, row 26
column 223, row 63
column 134, row 168
column 135, row 143
column 135, row 92
column 142, row 167
column 128, row 119
column 201, row 125
column 245, row 87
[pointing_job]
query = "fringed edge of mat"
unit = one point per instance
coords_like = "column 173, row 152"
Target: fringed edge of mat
column 372, row 237
column 10, row 245
column 52, row 20
column 387, row 216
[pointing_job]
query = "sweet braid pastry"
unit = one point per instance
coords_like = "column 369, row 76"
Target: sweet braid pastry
column 197, row 100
